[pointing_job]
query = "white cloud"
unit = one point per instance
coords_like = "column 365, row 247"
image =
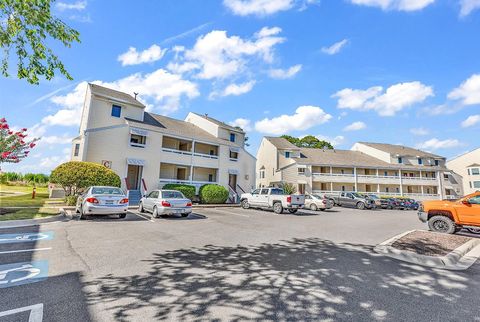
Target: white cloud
column 335, row 48
column 420, row 131
column 244, row 124
column 53, row 139
column 436, row 144
column 257, row 7
column 467, row 6
column 50, row 163
column 335, row 141
column 443, row 109
column 218, row 56
column 400, row 5
column 386, row 103
column 471, row 120
column 133, row 57
column 285, row 73
column 355, row 126
column 234, row 89
column 304, row 118
column 468, row 92
column 79, row 5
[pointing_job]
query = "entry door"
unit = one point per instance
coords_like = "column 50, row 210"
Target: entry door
column 301, row 188
column 232, row 181
column 134, row 176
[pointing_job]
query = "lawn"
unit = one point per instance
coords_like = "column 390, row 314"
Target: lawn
column 36, row 206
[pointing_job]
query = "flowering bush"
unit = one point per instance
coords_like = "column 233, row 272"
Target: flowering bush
column 13, row 146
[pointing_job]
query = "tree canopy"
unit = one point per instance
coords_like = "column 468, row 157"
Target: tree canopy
column 308, row 141
column 25, row 28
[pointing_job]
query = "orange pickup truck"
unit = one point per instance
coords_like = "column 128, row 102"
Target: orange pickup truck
column 451, row 216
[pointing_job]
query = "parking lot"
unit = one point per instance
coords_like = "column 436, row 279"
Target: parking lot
column 226, row 264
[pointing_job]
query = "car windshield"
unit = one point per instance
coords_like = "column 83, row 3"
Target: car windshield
column 172, row 195
column 106, row 191
column 276, row 191
column 357, row 195
column 317, row 196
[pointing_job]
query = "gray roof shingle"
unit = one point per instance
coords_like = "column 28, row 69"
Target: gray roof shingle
column 400, row 150
column 111, row 93
column 281, row 143
column 220, row 123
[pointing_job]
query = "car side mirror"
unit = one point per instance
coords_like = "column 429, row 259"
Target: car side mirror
column 465, row 202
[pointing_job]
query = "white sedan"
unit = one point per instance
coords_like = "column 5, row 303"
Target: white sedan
column 317, row 202
column 165, row 202
column 101, row 200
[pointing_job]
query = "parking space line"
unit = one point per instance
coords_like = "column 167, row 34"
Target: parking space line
column 143, row 217
column 36, row 312
column 230, row 213
column 25, row 250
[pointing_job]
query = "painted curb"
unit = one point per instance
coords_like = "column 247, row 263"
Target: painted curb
column 33, row 222
column 460, row 258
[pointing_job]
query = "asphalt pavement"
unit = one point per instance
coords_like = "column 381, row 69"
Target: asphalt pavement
column 225, row 264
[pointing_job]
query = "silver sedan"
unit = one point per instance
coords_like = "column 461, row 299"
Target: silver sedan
column 166, row 202
column 317, row 202
column 101, row 200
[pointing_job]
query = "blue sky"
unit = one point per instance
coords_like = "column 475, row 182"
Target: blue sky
column 395, row 71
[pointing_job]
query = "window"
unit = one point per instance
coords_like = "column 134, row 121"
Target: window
column 256, row 192
column 264, row 192
column 275, row 191
column 172, row 195
column 420, row 161
column 445, row 176
column 386, row 173
column 301, row 171
column 287, row 154
column 153, row 194
column 437, row 163
column 397, row 189
column 116, row 110
column 76, row 150
column 343, row 171
column 476, row 184
column 474, row 200
column 210, row 178
column 233, row 155
column 343, row 188
column 232, row 137
column 106, row 191
column 400, row 160
column 262, row 174
column 475, row 171
column 387, row 189
column 138, row 140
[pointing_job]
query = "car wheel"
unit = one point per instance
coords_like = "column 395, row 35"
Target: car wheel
column 140, row 208
column 185, row 215
column 441, row 224
column 122, row 216
column 474, row 230
column 360, row 205
column 155, row 212
column 292, row 211
column 313, row 207
column 245, row 204
column 277, row 208
column 322, row 209
column 82, row 215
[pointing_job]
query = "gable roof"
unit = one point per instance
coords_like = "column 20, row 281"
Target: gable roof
column 340, row 158
column 220, row 123
column 281, row 143
column 400, row 150
column 111, row 93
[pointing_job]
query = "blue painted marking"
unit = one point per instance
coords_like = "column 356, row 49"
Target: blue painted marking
column 25, row 237
column 23, row 273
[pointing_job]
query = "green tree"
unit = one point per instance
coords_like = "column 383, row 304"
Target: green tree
column 308, row 141
column 289, row 188
column 75, row 176
column 25, row 28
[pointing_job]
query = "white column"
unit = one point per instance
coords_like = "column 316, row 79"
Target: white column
column 356, row 179
column 440, row 184
column 331, row 171
column 331, row 186
column 421, row 187
column 377, row 173
column 401, row 182
column 378, row 188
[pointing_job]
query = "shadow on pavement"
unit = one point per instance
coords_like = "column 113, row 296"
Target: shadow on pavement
column 296, row 280
column 191, row 216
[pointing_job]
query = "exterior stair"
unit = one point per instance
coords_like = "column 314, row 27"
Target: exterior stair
column 134, row 197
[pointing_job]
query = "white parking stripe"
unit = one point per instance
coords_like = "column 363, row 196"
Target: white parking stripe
column 143, row 217
column 25, row 250
column 36, row 312
column 230, row 213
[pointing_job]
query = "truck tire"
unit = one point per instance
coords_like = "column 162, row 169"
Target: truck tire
column 277, row 208
column 292, row 211
column 441, row 224
column 360, row 205
column 245, row 204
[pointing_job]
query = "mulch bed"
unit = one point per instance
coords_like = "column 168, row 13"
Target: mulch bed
column 429, row 243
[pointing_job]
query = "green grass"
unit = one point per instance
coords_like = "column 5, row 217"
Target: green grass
column 37, row 209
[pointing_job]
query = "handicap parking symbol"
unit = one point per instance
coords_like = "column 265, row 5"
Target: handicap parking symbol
column 23, row 273
column 25, row 237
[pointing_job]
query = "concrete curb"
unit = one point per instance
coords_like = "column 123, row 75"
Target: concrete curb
column 193, row 207
column 33, row 222
column 460, row 258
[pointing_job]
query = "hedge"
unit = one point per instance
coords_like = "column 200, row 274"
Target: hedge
column 213, row 193
column 75, row 176
column 71, row 200
column 187, row 190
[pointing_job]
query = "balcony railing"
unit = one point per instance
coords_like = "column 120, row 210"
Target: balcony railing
column 381, row 193
column 183, row 152
column 369, row 176
column 196, row 184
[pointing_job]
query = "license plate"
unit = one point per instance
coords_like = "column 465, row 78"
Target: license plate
column 109, row 202
column 294, row 206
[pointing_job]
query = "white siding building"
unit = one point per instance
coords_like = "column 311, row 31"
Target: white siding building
column 148, row 150
column 383, row 169
column 467, row 166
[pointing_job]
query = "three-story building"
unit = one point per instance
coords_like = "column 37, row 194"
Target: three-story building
column 148, row 150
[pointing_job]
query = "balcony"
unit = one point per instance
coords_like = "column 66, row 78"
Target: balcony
column 333, row 177
column 176, row 173
column 189, row 152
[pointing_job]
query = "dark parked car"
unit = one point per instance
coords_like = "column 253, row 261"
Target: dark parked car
column 411, row 204
column 397, row 203
column 381, row 202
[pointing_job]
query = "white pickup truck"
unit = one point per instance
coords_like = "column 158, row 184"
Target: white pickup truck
column 272, row 198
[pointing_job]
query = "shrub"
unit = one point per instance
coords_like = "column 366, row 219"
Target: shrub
column 213, row 193
column 187, row 190
column 289, row 188
column 75, row 176
column 71, row 200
